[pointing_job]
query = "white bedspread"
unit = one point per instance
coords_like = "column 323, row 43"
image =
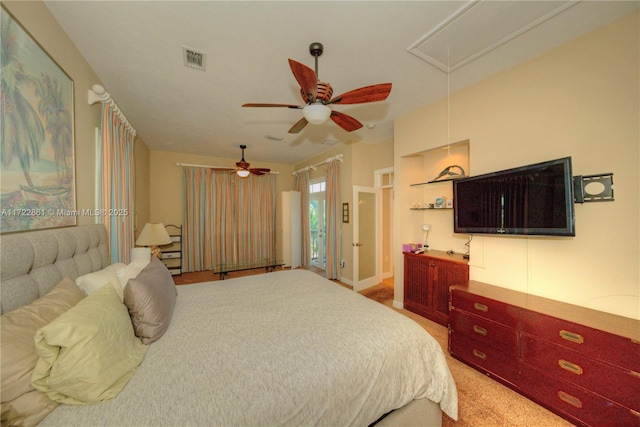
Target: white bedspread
column 284, row 348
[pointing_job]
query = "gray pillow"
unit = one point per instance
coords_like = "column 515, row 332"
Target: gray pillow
column 150, row 298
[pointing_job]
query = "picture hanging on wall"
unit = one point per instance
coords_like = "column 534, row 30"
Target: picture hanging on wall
column 38, row 171
column 345, row 212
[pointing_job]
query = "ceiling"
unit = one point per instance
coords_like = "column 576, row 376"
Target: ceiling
column 427, row 49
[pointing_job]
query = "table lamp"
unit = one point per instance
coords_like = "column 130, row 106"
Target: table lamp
column 154, row 235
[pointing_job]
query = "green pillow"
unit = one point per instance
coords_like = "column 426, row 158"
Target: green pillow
column 88, row 354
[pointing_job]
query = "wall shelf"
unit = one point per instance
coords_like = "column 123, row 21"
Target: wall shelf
column 419, row 184
column 431, row 209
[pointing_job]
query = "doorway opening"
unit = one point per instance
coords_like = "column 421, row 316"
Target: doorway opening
column 384, row 179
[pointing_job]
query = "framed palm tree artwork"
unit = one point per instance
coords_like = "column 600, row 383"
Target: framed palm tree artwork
column 37, row 170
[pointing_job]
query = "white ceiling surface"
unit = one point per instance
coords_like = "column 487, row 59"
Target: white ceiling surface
column 135, row 48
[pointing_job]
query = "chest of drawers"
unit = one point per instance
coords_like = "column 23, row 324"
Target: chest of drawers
column 582, row 364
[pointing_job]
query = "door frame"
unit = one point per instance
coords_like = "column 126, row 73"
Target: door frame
column 358, row 284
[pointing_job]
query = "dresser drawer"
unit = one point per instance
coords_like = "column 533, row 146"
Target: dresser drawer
column 484, row 357
column 171, row 255
column 601, row 345
column 490, row 309
column 558, row 362
column 582, row 406
column 485, row 331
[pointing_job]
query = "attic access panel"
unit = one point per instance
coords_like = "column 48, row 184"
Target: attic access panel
column 479, row 27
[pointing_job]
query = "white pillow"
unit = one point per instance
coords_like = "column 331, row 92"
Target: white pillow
column 131, row 271
column 91, row 282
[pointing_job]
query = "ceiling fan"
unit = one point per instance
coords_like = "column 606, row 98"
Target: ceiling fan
column 317, row 96
column 242, row 167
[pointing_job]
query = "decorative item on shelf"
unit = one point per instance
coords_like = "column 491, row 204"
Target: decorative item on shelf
column 449, row 203
column 447, row 174
column 440, row 202
column 154, row 235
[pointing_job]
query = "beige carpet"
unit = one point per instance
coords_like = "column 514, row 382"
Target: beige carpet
column 481, row 401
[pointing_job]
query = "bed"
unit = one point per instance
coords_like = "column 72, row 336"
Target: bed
column 282, row 348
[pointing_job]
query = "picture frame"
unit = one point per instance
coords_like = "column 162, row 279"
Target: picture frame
column 345, row 212
column 38, row 165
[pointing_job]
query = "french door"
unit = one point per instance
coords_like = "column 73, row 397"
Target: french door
column 317, row 229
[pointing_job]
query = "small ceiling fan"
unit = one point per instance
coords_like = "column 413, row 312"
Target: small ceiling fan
column 317, row 96
column 242, row 167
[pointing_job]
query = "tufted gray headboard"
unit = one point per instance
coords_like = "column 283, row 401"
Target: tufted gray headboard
column 34, row 262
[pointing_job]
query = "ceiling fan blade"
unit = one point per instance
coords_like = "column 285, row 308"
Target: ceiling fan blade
column 346, row 122
column 300, row 124
column 306, row 78
column 272, row 105
column 373, row 93
column 259, row 171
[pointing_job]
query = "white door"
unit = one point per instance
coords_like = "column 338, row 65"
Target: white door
column 367, row 244
column 317, row 229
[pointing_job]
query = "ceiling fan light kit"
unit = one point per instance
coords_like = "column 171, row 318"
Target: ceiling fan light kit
column 242, row 168
column 317, row 96
column 316, row 113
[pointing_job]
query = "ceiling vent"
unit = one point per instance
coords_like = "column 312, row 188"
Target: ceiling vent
column 194, row 59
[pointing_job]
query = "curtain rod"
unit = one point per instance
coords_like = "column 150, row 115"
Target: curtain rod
column 97, row 93
column 190, row 165
column 313, row 167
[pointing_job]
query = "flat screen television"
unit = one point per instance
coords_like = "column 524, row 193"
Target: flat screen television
column 529, row 200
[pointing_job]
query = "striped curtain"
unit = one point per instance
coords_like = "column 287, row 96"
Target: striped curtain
column 116, row 167
column 333, row 220
column 196, row 219
column 302, row 185
column 254, row 220
column 227, row 220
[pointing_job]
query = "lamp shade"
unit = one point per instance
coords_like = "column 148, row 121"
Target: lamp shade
column 243, row 173
column 316, row 113
column 153, row 235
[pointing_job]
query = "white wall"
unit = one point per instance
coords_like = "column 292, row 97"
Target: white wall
column 580, row 100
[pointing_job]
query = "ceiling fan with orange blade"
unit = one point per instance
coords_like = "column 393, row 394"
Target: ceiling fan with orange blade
column 242, row 167
column 317, row 96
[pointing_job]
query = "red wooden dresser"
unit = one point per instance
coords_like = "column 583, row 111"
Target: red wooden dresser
column 580, row 363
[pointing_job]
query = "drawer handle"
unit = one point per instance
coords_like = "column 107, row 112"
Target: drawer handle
column 571, row 367
column 571, row 336
column 479, row 354
column 480, row 307
column 573, row 401
column 479, row 330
